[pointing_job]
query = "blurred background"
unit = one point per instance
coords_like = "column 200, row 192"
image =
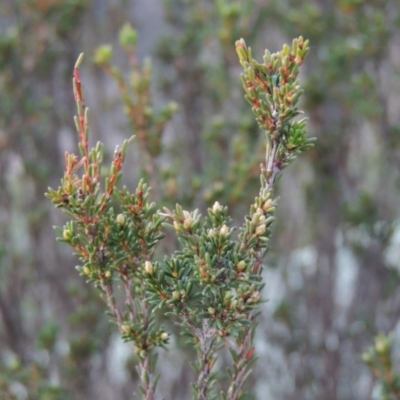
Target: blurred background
column 332, row 274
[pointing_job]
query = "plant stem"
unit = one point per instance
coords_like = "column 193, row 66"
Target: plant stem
column 242, row 370
column 272, row 170
column 111, row 303
column 146, row 373
column 206, row 337
column 147, row 377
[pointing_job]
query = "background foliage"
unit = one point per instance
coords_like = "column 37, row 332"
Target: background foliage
column 332, row 275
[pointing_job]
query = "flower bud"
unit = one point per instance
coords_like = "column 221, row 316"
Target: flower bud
column 120, row 219
column 108, row 274
column 241, row 49
column 68, row 234
column 216, row 207
column 103, row 55
column 128, row 36
column 148, row 267
column 176, row 295
column 240, row 266
column 224, row 231
column 177, row 227
column 164, row 336
column 255, row 297
column 260, row 230
column 211, row 310
column 211, row 233
column 187, row 223
column 257, row 215
column 125, row 329
column 382, row 345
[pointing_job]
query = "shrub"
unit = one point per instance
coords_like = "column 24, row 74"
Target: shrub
column 211, row 285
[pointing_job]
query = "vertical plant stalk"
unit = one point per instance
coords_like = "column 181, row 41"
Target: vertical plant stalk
column 242, row 370
column 243, row 355
column 245, row 347
column 206, row 350
column 147, row 377
column 147, row 363
column 146, row 372
column 273, row 91
column 114, row 248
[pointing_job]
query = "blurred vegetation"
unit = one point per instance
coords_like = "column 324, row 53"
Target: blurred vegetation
column 332, row 289
column 41, row 357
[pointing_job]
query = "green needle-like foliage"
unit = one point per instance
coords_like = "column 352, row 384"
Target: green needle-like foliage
column 212, row 284
column 273, row 90
column 113, row 243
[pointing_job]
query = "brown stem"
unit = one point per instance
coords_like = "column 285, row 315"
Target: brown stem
column 129, row 300
column 245, row 355
column 272, row 170
column 206, row 337
column 112, row 305
column 147, row 377
column 246, row 349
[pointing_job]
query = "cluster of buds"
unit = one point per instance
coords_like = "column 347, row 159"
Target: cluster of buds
column 258, row 221
column 276, row 80
column 183, row 221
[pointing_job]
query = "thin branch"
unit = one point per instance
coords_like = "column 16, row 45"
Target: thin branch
column 112, row 305
column 206, row 338
column 242, row 368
